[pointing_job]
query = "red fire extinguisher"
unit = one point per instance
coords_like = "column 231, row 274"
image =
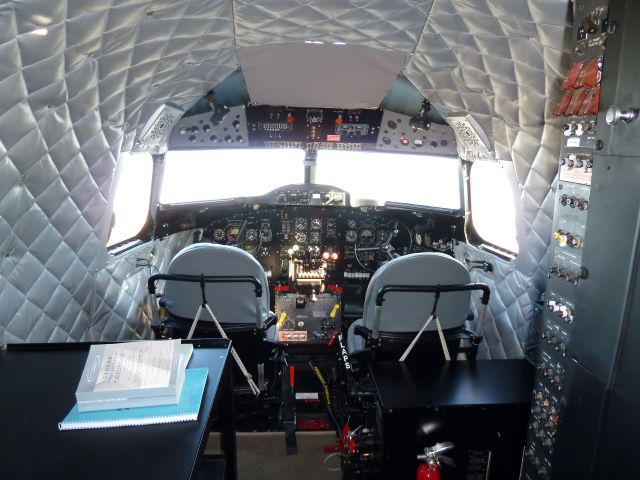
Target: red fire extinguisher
column 429, row 469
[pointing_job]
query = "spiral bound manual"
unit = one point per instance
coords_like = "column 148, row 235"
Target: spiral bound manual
column 186, row 410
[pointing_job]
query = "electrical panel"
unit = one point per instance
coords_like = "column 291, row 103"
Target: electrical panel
column 265, row 126
column 398, row 135
column 585, row 411
column 225, row 128
column 578, row 104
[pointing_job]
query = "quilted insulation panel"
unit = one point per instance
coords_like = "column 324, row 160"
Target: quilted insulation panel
column 123, row 309
column 503, row 61
column 512, row 315
column 381, row 24
column 77, row 79
column 84, row 76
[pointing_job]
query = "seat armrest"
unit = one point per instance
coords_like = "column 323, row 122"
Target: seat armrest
column 270, row 321
column 362, row 331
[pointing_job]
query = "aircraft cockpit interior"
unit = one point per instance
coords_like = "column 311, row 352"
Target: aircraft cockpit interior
column 354, row 239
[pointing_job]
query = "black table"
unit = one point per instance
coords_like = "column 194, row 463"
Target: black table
column 479, row 406
column 37, row 390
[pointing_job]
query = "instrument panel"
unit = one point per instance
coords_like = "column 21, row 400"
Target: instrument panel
column 308, row 233
column 349, row 243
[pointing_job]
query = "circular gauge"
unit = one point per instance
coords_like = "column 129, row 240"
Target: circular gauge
column 316, row 223
column 266, row 234
column 301, row 237
column 367, row 237
column 418, row 238
column 314, row 237
column 251, row 235
column 351, row 236
column 351, row 224
column 219, row 235
column 301, row 223
column 232, row 233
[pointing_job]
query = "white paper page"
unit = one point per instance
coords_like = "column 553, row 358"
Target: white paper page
column 136, row 365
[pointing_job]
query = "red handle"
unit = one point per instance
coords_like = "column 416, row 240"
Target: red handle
column 292, row 376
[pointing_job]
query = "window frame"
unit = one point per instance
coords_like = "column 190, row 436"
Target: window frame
column 473, row 236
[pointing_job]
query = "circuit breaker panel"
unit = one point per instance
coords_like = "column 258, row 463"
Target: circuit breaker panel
column 578, row 104
column 592, row 258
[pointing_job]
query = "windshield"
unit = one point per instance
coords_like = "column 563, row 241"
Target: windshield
column 392, row 177
column 200, row 175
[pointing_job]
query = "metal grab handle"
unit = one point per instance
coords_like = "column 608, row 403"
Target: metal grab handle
column 482, row 264
column 151, row 283
column 460, row 287
column 437, row 289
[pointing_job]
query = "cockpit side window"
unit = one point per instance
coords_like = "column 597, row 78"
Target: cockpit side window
column 132, row 191
column 493, row 204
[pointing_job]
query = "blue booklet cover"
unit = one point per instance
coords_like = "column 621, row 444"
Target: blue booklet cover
column 187, row 409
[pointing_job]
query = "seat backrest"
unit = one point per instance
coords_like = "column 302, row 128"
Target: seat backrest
column 230, row 302
column 407, row 312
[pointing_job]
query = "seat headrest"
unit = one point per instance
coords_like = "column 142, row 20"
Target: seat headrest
column 407, row 312
column 231, row 303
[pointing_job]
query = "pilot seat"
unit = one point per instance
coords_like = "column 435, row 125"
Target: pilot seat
column 398, row 301
column 234, row 287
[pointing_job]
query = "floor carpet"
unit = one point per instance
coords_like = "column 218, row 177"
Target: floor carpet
column 262, row 456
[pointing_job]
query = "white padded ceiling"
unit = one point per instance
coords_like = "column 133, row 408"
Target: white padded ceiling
column 319, row 76
column 78, row 78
